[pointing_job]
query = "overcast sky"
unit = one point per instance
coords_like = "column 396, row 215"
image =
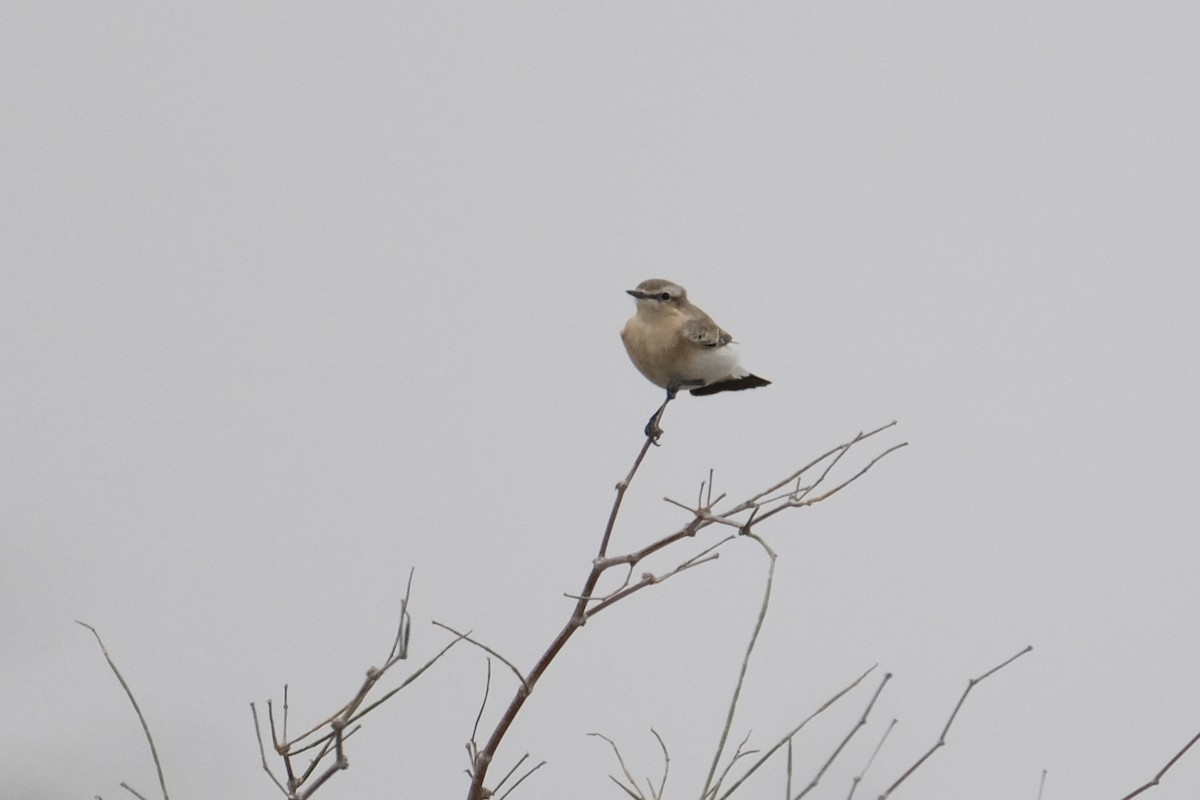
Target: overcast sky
column 296, row 297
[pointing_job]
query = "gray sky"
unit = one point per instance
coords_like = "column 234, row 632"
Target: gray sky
column 296, row 297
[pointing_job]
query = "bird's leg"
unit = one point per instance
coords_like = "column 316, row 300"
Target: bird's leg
column 653, row 431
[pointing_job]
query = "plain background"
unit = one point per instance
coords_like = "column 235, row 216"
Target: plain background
column 296, row 297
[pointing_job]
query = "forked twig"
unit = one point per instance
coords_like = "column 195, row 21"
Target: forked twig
column 633, row 790
column 942, row 739
column 328, row 738
column 650, row 579
column 262, row 750
column 162, row 783
column 738, row 754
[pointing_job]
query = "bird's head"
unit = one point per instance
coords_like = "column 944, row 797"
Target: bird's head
column 658, row 293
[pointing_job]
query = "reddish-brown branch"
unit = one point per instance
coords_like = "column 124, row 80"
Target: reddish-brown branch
column 704, row 517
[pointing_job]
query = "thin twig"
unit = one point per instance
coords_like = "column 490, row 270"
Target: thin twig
column 860, row 437
column 371, row 707
column 738, row 755
column 1041, row 785
column 262, row 751
column 487, row 688
column 399, row 650
column 509, row 774
column 329, row 737
column 1154, row 781
column 650, row 579
column 787, row 792
column 942, row 739
column 632, row 790
column 858, row 778
column 532, row 770
column 622, row 487
column 810, row 501
column 283, row 750
column 466, row 637
column 132, row 791
column 703, row 517
column 662, row 785
column 787, row 737
column 838, row 750
column 141, row 717
column 762, row 615
column 285, row 711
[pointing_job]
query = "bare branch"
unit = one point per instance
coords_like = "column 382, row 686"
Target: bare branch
column 762, row 615
column 509, row 774
column 399, row 650
column 650, row 579
column 532, row 770
column 738, row 755
column 1154, row 781
column 758, row 504
column 133, row 701
column 622, row 487
column 837, row 751
column 942, row 739
column 262, row 752
column 484, row 647
column 632, row 790
column 472, row 748
column 328, row 738
column 387, row 696
column 576, row 621
column 625, row 788
column 787, row 791
column 787, row 738
column 858, row 778
column 662, row 785
column 588, row 603
column 801, row 499
column 285, row 711
column 132, row 791
column 795, row 475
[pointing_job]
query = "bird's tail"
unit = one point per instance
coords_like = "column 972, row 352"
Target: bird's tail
column 732, row 385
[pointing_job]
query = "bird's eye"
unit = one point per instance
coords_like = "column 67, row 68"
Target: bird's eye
column 665, row 296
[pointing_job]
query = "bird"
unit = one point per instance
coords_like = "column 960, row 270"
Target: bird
column 677, row 346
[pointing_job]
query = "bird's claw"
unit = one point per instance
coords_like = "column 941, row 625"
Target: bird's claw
column 653, row 431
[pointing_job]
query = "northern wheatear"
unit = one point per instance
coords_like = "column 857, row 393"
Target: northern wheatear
column 677, row 346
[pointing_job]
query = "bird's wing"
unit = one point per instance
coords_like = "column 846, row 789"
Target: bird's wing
column 706, row 333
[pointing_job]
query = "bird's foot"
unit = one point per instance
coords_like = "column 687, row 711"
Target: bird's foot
column 653, row 430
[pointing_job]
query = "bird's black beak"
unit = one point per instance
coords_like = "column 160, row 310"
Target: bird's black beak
column 636, row 293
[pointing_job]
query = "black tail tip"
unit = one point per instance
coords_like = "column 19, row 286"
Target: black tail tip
column 732, row 385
